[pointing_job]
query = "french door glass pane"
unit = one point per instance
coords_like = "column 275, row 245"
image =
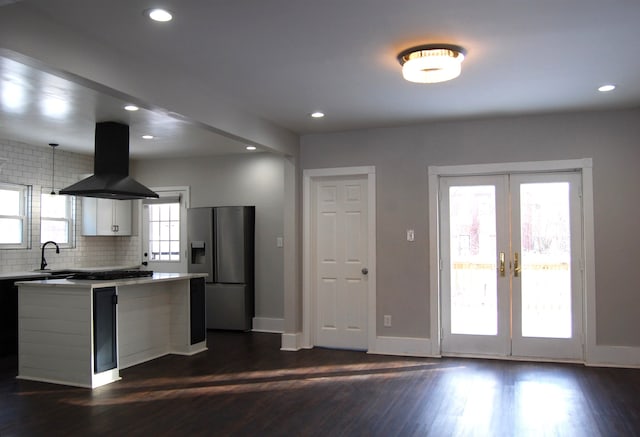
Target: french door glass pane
column 474, row 297
column 546, row 259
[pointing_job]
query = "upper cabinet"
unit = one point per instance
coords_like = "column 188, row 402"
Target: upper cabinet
column 106, row 217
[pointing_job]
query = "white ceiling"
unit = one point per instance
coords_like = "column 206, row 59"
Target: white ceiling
column 282, row 59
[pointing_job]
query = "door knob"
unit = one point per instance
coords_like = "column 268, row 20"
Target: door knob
column 365, row 270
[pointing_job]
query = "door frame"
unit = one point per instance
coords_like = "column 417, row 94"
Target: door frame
column 308, row 245
column 585, row 167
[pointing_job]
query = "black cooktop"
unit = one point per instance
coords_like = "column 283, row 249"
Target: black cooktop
column 111, row 274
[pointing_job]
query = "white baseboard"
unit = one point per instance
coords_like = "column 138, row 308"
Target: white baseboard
column 291, row 341
column 265, row 324
column 613, row 356
column 602, row 356
column 404, row 346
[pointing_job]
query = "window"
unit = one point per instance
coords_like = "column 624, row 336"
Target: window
column 56, row 219
column 14, row 216
column 164, row 231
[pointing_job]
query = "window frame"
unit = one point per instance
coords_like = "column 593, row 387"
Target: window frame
column 70, row 219
column 24, row 215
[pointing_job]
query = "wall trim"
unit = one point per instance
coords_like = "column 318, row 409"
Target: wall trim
column 292, row 342
column 403, row 346
column 266, row 324
column 613, row 356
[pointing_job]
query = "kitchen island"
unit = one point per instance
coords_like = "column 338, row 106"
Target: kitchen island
column 82, row 332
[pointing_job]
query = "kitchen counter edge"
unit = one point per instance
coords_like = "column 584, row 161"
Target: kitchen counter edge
column 84, row 283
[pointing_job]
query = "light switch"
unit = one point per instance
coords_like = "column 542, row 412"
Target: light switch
column 410, row 235
column 279, row 242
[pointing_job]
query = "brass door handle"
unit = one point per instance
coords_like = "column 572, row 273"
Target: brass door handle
column 516, row 265
column 501, row 267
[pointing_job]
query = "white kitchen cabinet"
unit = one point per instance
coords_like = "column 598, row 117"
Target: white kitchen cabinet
column 106, row 217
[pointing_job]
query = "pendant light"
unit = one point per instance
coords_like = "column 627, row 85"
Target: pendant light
column 53, row 166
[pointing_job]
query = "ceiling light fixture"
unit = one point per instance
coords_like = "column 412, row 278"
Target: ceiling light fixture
column 431, row 63
column 606, row 88
column 317, row 114
column 250, row 147
column 161, row 15
column 147, row 137
column 131, row 108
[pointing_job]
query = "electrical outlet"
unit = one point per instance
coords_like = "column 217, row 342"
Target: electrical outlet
column 387, row 321
column 279, row 242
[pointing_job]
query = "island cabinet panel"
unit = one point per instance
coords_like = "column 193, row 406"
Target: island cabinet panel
column 180, row 336
column 198, row 311
column 55, row 335
column 105, row 350
column 144, row 322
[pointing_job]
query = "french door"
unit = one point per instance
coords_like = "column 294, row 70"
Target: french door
column 511, row 262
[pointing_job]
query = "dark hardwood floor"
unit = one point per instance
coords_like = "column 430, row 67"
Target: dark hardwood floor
column 245, row 386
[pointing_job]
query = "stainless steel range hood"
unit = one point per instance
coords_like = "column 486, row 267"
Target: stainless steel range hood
column 111, row 167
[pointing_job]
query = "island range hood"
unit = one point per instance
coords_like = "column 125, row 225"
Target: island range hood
column 111, row 167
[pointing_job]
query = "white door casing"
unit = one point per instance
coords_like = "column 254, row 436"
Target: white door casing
column 338, row 298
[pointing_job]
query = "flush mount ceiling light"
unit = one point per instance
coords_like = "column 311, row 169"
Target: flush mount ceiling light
column 431, row 63
column 251, row 147
column 317, row 114
column 131, row 108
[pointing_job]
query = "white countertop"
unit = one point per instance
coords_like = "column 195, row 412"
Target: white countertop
column 84, row 283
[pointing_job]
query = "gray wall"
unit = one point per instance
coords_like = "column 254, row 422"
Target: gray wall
column 401, row 157
column 250, row 179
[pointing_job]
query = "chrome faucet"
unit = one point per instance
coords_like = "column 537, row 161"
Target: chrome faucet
column 43, row 262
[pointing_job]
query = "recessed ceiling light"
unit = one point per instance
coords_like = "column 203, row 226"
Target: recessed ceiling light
column 317, row 114
column 605, row 88
column 147, row 137
column 250, row 147
column 161, row 15
column 131, row 108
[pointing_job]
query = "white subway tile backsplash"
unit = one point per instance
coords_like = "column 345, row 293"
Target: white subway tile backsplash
column 31, row 165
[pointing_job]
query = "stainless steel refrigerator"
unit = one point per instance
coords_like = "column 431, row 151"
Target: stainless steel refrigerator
column 221, row 243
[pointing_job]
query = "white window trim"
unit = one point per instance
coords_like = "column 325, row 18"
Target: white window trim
column 25, row 214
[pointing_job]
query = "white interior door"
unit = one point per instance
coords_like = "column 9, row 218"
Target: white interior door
column 511, row 252
column 340, row 231
column 164, row 231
